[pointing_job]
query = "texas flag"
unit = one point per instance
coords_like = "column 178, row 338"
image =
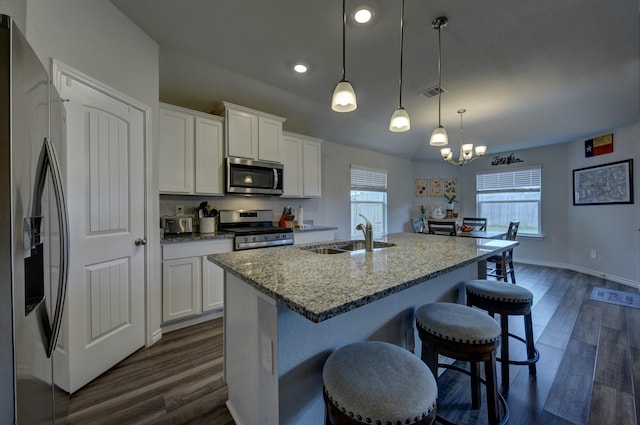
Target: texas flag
column 598, row 145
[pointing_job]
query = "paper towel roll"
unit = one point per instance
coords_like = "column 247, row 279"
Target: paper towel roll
column 300, row 216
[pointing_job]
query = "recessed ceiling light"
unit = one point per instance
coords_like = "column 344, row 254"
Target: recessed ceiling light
column 300, row 68
column 363, row 15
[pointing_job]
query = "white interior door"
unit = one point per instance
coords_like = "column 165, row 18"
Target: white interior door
column 105, row 179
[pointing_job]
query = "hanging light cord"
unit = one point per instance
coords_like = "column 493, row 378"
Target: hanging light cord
column 344, row 25
column 401, row 47
column 439, row 75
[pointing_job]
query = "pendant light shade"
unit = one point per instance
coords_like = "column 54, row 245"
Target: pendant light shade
column 344, row 97
column 400, row 119
column 439, row 136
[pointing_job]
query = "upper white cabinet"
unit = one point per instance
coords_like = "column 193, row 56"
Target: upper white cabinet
column 301, row 157
column 191, row 152
column 252, row 134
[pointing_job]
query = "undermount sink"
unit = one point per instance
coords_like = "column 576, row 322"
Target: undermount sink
column 325, row 250
column 358, row 245
column 349, row 246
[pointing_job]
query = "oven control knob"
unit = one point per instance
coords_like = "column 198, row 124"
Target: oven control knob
column 246, row 239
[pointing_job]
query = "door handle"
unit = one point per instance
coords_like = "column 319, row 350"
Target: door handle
column 140, row 241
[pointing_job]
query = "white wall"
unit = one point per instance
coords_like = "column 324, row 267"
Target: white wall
column 336, row 205
column 17, row 9
column 611, row 230
column 569, row 233
column 93, row 37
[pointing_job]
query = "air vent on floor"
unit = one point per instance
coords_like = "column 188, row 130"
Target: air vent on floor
column 433, row 91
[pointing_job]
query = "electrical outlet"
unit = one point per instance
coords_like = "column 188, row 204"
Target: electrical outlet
column 594, row 254
column 267, row 353
column 179, row 209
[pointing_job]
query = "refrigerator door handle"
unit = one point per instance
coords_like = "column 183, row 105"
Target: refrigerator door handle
column 49, row 160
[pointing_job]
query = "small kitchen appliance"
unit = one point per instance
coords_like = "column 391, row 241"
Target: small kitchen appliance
column 176, row 224
column 254, row 229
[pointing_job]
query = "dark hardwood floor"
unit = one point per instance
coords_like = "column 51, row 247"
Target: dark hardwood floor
column 588, row 373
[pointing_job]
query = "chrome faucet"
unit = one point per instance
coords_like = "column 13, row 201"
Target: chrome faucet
column 368, row 233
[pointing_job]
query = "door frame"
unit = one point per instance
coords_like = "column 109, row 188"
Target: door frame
column 152, row 248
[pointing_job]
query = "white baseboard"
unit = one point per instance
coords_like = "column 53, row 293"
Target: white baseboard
column 183, row 323
column 156, row 336
column 596, row 273
column 234, row 415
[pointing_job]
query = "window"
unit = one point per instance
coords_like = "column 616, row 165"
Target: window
column 369, row 198
column 507, row 196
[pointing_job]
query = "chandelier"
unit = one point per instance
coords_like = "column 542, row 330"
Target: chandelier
column 466, row 149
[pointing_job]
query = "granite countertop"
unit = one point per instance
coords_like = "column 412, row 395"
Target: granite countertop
column 321, row 286
column 191, row 237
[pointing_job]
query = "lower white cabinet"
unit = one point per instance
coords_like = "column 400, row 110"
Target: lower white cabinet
column 191, row 284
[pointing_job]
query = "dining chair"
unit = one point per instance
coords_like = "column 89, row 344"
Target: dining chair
column 437, row 227
column 476, row 223
column 501, row 266
column 419, row 225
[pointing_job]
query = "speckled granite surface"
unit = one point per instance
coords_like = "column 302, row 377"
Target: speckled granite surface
column 321, row 286
column 190, row 237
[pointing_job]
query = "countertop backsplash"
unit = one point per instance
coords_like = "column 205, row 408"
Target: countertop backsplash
column 312, row 211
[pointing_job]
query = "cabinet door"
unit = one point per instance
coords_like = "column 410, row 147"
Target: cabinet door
column 269, row 139
column 242, row 134
column 212, row 285
column 175, row 152
column 292, row 162
column 208, row 157
column 312, row 181
column 180, row 288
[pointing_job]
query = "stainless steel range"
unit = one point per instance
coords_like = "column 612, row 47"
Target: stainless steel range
column 254, row 229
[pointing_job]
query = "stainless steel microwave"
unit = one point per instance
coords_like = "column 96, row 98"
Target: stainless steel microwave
column 245, row 176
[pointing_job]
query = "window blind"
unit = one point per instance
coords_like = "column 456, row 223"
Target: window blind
column 524, row 178
column 368, row 179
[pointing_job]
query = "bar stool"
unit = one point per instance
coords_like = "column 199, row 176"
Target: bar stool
column 377, row 383
column 506, row 299
column 463, row 333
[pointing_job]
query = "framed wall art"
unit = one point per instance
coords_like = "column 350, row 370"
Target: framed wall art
column 610, row 183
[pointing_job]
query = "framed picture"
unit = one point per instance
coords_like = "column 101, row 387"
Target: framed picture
column 422, row 187
column 436, row 187
column 604, row 184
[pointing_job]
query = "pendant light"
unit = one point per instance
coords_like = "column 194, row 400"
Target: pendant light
column 344, row 97
column 439, row 136
column 400, row 119
column 466, row 149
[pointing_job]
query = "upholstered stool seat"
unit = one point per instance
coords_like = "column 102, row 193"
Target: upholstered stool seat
column 378, row 383
column 466, row 334
column 506, row 299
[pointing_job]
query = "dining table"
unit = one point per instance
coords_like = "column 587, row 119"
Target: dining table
column 484, row 234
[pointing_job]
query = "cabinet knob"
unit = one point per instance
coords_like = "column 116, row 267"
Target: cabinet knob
column 140, row 241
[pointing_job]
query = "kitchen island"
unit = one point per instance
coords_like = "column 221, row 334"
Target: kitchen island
column 288, row 308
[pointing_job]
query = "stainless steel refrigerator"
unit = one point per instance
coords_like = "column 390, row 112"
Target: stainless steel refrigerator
column 33, row 235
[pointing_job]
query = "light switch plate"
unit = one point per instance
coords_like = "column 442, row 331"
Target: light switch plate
column 179, row 209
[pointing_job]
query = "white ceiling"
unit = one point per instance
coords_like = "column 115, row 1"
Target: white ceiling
column 528, row 73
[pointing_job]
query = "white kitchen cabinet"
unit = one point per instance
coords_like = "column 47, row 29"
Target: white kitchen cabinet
column 252, row 134
column 191, row 152
column 191, row 284
column 301, row 157
column 180, row 288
